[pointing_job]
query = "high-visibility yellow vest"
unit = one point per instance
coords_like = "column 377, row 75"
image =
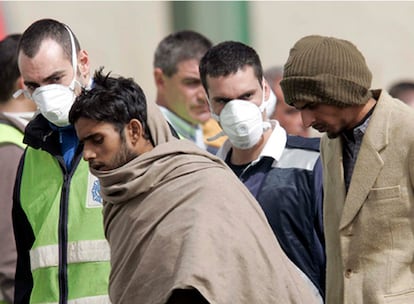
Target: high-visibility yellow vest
column 11, row 135
column 70, row 255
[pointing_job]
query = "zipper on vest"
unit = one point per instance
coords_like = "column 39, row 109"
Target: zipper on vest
column 63, row 241
column 63, row 227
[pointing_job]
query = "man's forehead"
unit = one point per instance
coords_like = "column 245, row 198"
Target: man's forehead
column 188, row 66
column 49, row 59
column 243, row 73
column 238, row 82
column 87, row 127
column 46, row 45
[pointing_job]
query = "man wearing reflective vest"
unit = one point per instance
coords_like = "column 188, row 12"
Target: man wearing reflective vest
column 57, row 214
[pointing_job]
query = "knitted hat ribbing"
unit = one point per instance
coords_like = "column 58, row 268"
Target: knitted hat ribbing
column 326, row 70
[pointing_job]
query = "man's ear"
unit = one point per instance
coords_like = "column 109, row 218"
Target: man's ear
column 19, row 84
column 135, row 131
column 159, row 78
column 83, row 64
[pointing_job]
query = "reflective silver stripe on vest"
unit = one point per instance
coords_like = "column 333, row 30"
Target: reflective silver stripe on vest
column 87, row 300
column 81, row 251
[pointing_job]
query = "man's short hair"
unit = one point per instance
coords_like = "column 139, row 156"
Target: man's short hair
column 227, row 58
column 43, row 29
column 9, row 70
column 178, row 47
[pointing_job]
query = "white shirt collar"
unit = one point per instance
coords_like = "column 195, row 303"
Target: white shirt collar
column 273, row 148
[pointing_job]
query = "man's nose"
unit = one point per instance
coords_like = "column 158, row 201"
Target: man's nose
column 201, row 95
column 88, row 153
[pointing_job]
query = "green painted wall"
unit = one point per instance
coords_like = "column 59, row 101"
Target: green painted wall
column 218, row 20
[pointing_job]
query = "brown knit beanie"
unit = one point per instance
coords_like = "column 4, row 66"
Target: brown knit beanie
column 326, row 70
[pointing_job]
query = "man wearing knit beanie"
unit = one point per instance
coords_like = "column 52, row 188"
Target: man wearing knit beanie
column 368, row 163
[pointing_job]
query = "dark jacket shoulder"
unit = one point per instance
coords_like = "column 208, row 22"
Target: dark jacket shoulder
column 306, row 143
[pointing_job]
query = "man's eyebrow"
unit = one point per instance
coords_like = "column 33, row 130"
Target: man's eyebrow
column 82, row 140
column 227, row 99
column 250, row 92
column 47, row 79
column 54, row 75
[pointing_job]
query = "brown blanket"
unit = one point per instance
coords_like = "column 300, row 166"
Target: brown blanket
column 177, row 217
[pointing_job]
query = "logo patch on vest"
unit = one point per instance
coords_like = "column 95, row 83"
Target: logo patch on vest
column 94, row 198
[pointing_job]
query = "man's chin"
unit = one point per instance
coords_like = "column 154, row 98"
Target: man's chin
column 332, row 135
column 203, row 118
column 98, row 167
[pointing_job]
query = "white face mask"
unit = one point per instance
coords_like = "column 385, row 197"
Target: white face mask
column 55, row 100
column 242, row 122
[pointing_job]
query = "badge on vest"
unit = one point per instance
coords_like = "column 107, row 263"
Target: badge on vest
column 94, row 198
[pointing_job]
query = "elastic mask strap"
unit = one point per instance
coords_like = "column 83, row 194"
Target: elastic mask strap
column 263, row 105
column 74, row 57
column 20, row 92
column 215, row 116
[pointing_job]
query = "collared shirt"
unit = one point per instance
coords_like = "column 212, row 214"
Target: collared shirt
column 183, row 128
column 351, row 144
column 271, row 152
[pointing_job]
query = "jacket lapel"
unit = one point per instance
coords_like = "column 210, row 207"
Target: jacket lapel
column 335, row 177
column 368, row 164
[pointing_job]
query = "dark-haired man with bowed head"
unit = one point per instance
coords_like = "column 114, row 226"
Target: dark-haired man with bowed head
column 176, row 234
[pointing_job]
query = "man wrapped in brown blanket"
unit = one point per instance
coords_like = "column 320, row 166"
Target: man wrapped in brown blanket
column 179, row 223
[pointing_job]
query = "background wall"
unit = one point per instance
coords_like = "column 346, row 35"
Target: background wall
column 383, row 31
column 122, row 35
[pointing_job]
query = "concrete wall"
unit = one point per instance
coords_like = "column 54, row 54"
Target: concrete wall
column 383, row 31
column 122, row 35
